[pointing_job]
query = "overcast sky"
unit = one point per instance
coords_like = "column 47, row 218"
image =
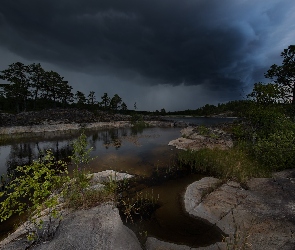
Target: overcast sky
column 172, row 54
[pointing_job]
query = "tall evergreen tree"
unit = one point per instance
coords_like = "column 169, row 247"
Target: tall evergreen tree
column 80, row 98
column 105, row 101
column 37, row 79
column 18, row 91
column 284, row 75
column 91, row 98
column 115, row 102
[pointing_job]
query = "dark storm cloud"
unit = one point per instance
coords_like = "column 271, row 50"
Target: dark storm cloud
column 195, row 42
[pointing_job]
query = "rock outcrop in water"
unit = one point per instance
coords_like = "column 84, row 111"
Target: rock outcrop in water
column 195, row 138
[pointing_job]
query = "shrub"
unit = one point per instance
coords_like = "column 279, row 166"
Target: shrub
column 39, row 186
column 277, row 150
column 32, row 191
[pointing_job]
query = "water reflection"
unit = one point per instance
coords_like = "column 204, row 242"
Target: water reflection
column 131, row 147
column 25, row 153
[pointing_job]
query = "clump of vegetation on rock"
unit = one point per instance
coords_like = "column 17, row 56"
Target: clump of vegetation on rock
column 35, row 191
column 44, row 188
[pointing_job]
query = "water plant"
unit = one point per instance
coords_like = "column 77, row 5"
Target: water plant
column 139, row 207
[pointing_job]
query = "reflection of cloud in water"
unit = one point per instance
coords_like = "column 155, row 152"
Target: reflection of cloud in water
column 130, row 163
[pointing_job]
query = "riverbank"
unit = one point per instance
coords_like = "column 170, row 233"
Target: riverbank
column 53, row 120
column 76, row 126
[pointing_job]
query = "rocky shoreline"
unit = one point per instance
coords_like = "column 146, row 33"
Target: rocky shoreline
column 100, row 227
column 71, row 119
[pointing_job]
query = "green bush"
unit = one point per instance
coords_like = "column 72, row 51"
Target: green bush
column 270, row 135
column 38, row 187
column 35, row 183
column 277, row 151
column 33, row 192
column 265, row 120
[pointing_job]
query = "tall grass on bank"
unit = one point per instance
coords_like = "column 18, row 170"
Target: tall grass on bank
column 234, row 164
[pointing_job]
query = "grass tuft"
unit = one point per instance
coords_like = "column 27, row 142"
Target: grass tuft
column 232, row 164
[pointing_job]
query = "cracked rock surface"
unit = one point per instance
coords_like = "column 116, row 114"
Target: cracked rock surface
column 261, row 217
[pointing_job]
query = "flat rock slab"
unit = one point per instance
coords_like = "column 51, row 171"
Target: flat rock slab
column 263, row 216
column 97, row 228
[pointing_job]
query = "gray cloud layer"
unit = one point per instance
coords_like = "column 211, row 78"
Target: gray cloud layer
column 220, row 45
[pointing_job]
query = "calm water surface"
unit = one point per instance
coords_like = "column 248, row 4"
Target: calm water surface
column 137, row 152
column 123, row 149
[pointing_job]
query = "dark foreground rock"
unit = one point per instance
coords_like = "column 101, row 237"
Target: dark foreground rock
column 98, row 228
column 259, row 217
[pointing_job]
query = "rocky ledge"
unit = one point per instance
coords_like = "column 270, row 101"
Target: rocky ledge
column 97, row 228
column 259, row 215
column 195, row 138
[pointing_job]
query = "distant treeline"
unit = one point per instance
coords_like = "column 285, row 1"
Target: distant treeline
column 232, row 108
column 30, row 87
